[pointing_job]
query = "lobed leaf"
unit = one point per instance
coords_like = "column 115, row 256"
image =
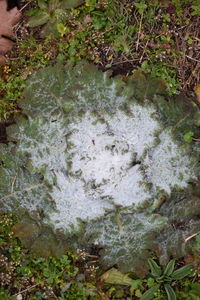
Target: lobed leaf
column 87, row 142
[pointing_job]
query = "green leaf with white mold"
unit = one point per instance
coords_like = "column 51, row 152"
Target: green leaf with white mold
column 111, row 169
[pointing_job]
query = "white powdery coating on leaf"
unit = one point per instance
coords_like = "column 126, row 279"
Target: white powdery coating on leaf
column 167, row 165
column 47, row 144
column 103, row 153
column 137, row 129
column 73, row 202
column 114, row 231
column 129, row 189
column 95, row 163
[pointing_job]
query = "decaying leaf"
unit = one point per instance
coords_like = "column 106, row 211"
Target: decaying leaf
column 197, row 91
column 145, row 86
column 113, row 276
column 7, row 20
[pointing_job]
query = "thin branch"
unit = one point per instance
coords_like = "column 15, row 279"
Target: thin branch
column 26, row 290
column 191, row 236
column 24, row 6
column 192, row 58
column 13, row 183
column 139, row 32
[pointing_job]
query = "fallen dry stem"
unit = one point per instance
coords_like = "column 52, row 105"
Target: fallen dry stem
column 191, row 236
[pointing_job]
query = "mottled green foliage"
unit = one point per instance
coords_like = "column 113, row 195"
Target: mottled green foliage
column 18, row 185
column 41, row 240
column 179, row 112
column 58, row 88
column 182, row 114
column 146, row 87
column 125, row 245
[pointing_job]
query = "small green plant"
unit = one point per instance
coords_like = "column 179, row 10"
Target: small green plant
column 164, row 278
column 188, row 136
column 39, row 277
column 162, row 70
column 141, row 6
column 52, row 14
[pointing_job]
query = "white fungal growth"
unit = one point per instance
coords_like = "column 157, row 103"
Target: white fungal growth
column 103, row 171
column 73, row 203
column 167, row 164
column 96, row 162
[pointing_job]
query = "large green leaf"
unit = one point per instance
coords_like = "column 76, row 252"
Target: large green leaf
column 182, row 272
column 181, row 113
column 73, row 88
column 101, row 167
column 155, row 269
column 125, row 238
column 170, row 292
column 169, row 268
column 18, row 187
column 38, row 20
column 146, row 87
column 148, row 295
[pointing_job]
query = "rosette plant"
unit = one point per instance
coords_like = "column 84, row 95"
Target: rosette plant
column 164, row 277
column 97, row 162
column 52, row 14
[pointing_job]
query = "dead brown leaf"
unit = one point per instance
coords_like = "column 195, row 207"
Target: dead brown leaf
column 7, row 20
column 113, row 276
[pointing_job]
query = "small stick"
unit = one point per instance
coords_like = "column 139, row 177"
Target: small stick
column 29, row 288
column 13, row 183
column 24, row 6
column 192, row 58
column 139, row 32
column 141, row 57
column 191, row 236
